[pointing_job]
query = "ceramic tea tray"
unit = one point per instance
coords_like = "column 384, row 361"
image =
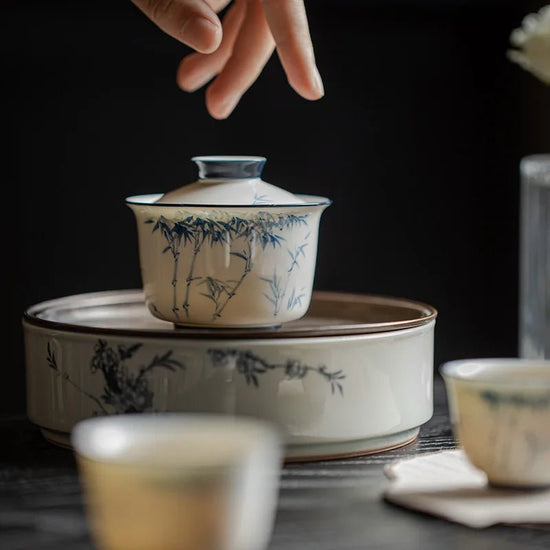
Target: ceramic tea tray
column 330, row 314
column 353, row 376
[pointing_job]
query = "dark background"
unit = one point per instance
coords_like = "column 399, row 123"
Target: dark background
column 417, row 141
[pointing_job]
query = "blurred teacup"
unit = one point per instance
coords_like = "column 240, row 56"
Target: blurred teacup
column 178, row 481
column 500, row 412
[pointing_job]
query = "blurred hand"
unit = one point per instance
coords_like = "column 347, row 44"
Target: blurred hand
column 232, row 53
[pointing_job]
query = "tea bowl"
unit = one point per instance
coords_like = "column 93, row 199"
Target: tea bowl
column 246, row 260
column 178, row 481
column 500, row 413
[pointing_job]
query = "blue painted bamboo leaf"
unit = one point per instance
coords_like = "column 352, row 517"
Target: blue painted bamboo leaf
column 209, row 296
column 251, row 366
column 239, row 255
column 125, row 352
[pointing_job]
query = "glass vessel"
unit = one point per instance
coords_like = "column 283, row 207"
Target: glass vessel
column 534, row 291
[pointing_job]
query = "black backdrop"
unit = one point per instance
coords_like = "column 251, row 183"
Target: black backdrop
column 417, row 141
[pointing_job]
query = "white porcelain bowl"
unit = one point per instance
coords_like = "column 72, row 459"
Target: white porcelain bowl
column 500, row 410
column 179, row 481
column 353, row 376
column 227, row 266
column 229, row 249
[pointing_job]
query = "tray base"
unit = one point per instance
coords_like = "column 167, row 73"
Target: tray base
column 349, row 449
column 304, row 453
column 61, row 439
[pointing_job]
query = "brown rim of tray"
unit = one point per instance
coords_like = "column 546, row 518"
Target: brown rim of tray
column 124, row 313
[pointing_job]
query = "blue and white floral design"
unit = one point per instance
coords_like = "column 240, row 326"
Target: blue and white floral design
column 252, row 366
column 278, row 285
column 126, row 389
column 245, row 236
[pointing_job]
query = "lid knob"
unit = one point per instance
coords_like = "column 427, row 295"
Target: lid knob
column 229, row 167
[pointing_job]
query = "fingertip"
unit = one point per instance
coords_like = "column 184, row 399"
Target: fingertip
column 184, row 74
column 307, row 92
column 318, row 88
column 220, row 106
column 181, row 75
column 202, row 34
column 216, row 115
column 309, row 86
column 186, row 85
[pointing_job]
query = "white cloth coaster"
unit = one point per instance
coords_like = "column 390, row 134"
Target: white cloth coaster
column 445, row 484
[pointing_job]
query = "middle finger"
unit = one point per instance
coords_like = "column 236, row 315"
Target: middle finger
column 253, row 48
column 197, row 69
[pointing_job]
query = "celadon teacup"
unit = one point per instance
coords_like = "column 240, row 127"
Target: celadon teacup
column 178, row 481
column 500, row 413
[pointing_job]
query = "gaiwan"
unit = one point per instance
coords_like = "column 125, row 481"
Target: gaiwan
column 229, row 249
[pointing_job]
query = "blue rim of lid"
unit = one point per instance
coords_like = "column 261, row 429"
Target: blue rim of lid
column 229, row 166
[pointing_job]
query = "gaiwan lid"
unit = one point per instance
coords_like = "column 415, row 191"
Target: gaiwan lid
column 227, row 180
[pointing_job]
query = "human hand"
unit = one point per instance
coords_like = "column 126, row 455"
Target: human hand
column 232, row 54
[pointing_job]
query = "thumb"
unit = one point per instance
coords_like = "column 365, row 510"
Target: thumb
column 192, row 22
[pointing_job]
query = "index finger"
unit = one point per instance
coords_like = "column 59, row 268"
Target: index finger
column 193, row 22
column 290, row 28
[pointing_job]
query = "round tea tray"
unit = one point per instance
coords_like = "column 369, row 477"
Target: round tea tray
column 353, row 376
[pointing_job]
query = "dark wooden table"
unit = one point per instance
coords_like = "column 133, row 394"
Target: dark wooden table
column 332, row 505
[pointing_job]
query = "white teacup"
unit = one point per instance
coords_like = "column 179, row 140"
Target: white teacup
column 178, row 481
column 500, row 412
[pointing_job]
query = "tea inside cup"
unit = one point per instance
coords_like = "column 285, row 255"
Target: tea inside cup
column 500, row 413
column 178, row 481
